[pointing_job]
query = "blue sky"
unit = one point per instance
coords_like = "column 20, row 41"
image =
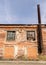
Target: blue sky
column 21, row 11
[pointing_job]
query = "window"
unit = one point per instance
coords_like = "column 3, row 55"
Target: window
column 31, row 35
column 10, row 35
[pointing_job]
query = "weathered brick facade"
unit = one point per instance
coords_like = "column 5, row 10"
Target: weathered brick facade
column 11, row 49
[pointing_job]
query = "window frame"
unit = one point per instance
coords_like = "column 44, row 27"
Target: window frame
column 31, row 32
column 11, row 36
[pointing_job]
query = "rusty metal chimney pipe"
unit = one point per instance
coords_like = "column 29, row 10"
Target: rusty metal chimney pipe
column 39, row 31
column 39, row 16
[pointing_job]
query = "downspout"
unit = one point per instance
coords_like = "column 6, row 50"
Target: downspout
column 39, row 31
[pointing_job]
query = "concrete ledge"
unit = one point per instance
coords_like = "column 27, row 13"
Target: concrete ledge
column 24, row 61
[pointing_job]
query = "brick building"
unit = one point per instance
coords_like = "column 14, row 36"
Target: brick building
column 20, row 39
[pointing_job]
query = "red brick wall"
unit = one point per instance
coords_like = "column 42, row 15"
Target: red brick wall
column 44, row 40
column 20, row 41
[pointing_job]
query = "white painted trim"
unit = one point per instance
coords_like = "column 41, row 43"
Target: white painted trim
column 15, row 50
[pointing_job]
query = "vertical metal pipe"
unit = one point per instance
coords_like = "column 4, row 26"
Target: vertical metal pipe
column 39, row 31
column 39, row 16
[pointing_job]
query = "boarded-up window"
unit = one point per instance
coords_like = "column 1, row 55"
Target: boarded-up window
column 8, row 51
column 31, row 35
column 1, row 53
column 10, row 35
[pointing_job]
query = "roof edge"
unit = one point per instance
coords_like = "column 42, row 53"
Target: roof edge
column 19, row 24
